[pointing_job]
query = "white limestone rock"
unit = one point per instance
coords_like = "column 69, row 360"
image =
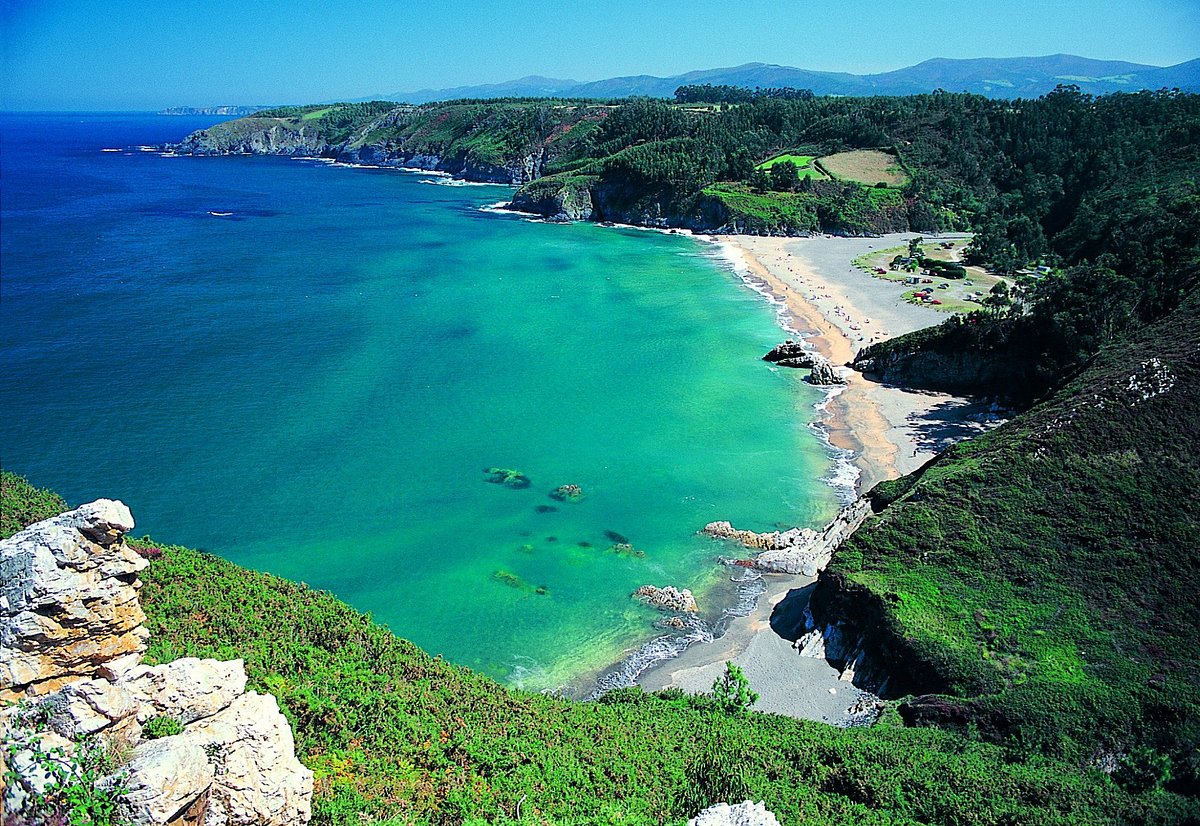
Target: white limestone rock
column 164, row 778
column 259, row 781
column 669, row 598
column 187, row 689
column 739, row 814
column 68, row 600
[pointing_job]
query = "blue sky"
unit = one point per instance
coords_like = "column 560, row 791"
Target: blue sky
column 145, row 55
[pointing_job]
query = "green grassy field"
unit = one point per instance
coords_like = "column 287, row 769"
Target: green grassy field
column 803, row 165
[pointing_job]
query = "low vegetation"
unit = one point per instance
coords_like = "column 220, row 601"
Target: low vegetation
column 1043, row 579
column 395, row 736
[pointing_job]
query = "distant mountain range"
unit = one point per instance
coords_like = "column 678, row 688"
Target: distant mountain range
column 996, row 77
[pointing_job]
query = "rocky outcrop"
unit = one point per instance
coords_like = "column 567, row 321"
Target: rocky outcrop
column 72, row 638
column 68, row 601
column 739, row 814
column 793, row 354
column 256, row 136
column 799, row 550
column 557, row 199
column 789, row 351
column 824, row 374
column 669, row 598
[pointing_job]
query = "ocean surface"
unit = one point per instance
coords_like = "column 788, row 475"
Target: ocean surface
column 306, row 368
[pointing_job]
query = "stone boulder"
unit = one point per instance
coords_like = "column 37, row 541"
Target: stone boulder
column 787, row 351
column 669, row 598
column 68, row 600
column 259, row 781
column 165, row 778
column 824, row 374
column 187, row 689
column 739, row 814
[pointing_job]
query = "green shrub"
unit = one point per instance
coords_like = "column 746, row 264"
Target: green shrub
column 161, row 726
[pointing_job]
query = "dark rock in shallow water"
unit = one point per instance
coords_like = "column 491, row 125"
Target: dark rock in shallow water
column 507, row 477
column 788, row 350
column 799, row 362
column 625, row 549
column 824, row 374
column 546, row 509
column 567, row 493
column 551, row 538
column 583, row 543
column 616, row 538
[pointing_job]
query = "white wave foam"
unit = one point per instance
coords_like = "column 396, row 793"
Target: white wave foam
column 458, row 182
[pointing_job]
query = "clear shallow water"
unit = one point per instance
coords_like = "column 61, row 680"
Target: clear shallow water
column 313, row 384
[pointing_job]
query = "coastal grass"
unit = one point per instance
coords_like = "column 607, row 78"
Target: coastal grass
column 396, row 736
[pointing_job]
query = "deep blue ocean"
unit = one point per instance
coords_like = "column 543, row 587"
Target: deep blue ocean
column 305, row 368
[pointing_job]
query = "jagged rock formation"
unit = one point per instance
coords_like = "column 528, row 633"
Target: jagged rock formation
column 68, row 601
column 799, row 550
column 823, row 373
column 845, row 651
column 739, row 814
column 791, row 354
column 669, row 598
column 70, row 646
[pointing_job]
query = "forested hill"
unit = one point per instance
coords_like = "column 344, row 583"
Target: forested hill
column 1101, row 191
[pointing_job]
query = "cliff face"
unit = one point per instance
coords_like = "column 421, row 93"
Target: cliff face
column 498, row 143
column 961, row 372
column 200, row 749
column 257, row 136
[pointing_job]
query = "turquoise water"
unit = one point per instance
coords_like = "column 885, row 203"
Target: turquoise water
column 313, row 385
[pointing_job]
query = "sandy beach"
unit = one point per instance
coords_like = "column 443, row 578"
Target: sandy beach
column 890, row 431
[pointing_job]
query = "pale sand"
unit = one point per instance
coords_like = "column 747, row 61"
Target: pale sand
column 892, row 432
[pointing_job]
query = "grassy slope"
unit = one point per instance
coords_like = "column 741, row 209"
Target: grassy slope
column 803, row 164
column 393, row 733
column 1049, row 573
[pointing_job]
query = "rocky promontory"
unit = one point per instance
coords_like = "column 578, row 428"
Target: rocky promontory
column 195, row 747
column 798, row 550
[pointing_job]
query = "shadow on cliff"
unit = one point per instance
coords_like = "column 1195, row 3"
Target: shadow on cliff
column 787, row 618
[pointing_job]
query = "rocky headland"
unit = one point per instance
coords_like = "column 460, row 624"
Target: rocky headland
column 192, row 745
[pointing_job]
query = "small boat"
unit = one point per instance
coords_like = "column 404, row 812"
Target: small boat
column 219, row 214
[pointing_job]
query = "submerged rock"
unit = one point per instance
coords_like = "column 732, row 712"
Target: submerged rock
column 669, row 598
column 567, row 493
column 508, row 477
column 625, row 549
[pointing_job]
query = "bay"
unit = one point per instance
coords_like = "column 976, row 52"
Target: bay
column 306, row 368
